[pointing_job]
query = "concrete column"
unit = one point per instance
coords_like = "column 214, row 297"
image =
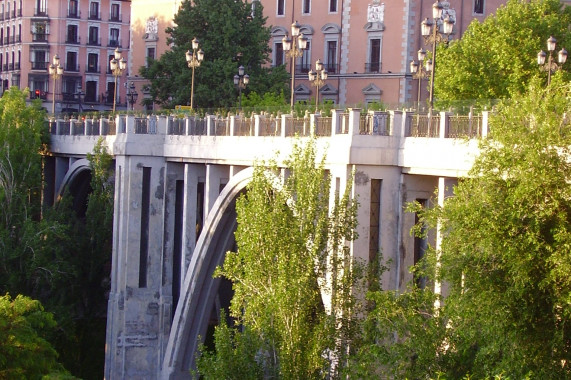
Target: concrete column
column 139, row 305
column 485, row 123
column 354, row 120
column 216, row 175
column 192, row 173
column 445, row 190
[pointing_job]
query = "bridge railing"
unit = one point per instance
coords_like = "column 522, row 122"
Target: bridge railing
column 379, row 123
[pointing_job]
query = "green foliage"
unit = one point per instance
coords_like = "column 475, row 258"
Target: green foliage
column 506, row 255
column 496, row 59
column 288, row 242
column 24, row 350
column 231, row 34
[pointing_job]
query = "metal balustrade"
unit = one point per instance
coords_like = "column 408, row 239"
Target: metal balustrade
column 352, row 123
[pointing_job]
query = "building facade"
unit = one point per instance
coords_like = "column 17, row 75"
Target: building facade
column 82, row 33
column 366, row 45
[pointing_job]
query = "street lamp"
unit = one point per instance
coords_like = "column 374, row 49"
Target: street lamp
column 551, row 66
column 433, row 35
column 132, row 95
column 294, row 48
column 193, row 59
column 318, row 77
column 420, row 72
column 118, row 65
column 55, row 71
column 80, row 96
column 241, row 81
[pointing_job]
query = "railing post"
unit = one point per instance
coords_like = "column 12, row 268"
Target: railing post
column 485, row 123
column 285, row 124
column 336, row 121
column 312, row 124
column 398, row 123
column 160, row 124
column 256, row 125
column 354, row 120
column 444, row 125
column 129, row 123
column 232, row 125
column 210, row 125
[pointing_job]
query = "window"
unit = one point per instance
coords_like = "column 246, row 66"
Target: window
column 306, row 7
column 90, row 91
column 39, row 60
column 479, row 7
column 93, row 62
column 150, row 55
column 72, row 34
column 94, row 10
column 73, row 10
column 331, row 64
column 109, row 63
column 278, row 54
column 115, row 12
column 281, row 7
column 306, row 59
column 113, row 37
column 374, row 64
column 71, row 61
column 40, row 8
column 93, row 35
column 332, row 6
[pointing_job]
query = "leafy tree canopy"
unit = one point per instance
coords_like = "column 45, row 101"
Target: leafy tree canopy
column 24, row 351
column 231, row 33
column 505, row 257
column 287, row 241
column 497, row 58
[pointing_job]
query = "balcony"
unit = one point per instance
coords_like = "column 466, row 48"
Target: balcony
column 373, row 67
column 73, row 13
column 94, row 42
column 113, row 43
column 304, row 68
column 115, row 18
column 17, row 66
column 38, row 94
column 71, row 67
column 39, row 65
column 75, row 40
column 94, row 16
column 331, row 68
column 7, row 15
column 39, row 37
column 92, row 69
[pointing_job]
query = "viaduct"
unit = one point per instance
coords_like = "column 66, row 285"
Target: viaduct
column 176, row 182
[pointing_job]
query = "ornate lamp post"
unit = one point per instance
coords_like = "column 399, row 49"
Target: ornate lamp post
column 241, row 81
column 193, row 59
column 55, row 71
column 132, row 95
column 551, row 66
column 118, row 65
column 318, row 77
column 294, row 48
column 433, row 35
column 80, row 96
column 420, row 72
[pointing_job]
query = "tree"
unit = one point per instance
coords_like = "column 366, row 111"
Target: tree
column 23, row 137
column 497, row 58
column 290, row 254
column 231, row 33
column 505, row 257
column 25, row 352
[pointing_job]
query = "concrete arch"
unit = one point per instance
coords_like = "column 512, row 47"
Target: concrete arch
column 199, row 288
column 77, row 180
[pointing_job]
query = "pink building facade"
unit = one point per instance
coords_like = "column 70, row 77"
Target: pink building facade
column 365, row 45
column 82, row 33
